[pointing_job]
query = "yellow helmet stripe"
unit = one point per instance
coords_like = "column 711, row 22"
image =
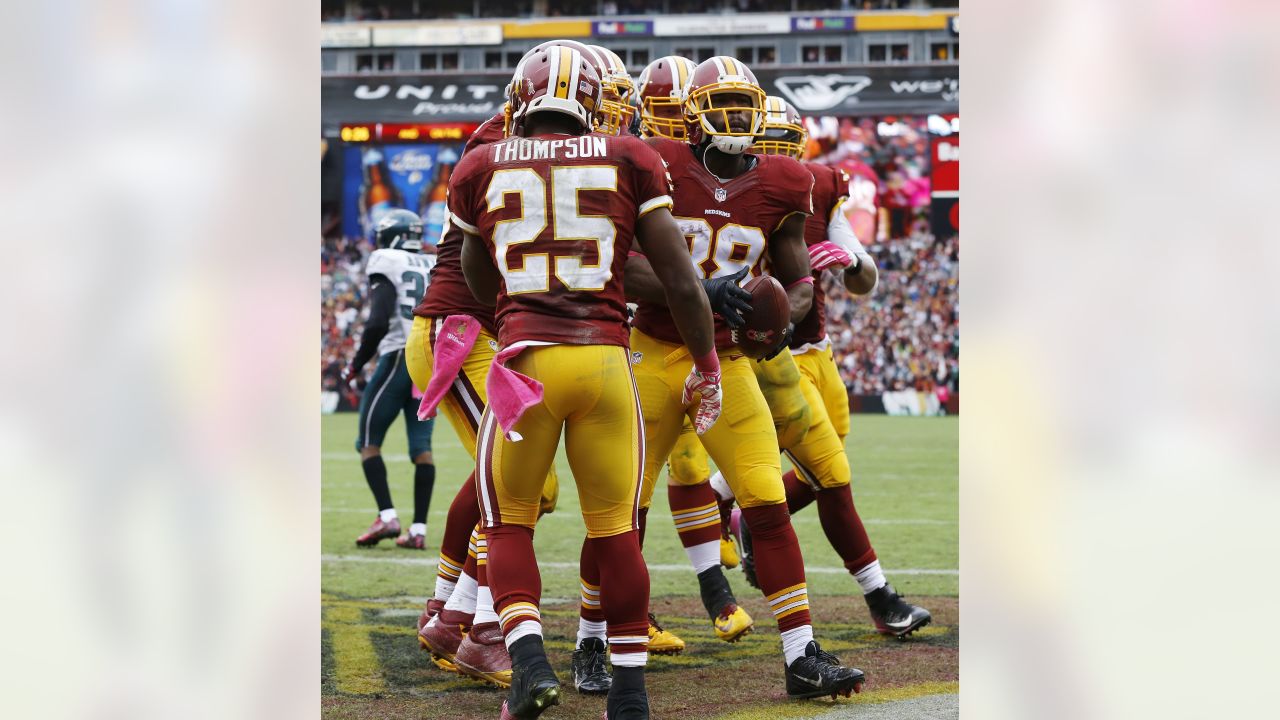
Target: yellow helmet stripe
column 683, row 70
column 730, row 67
column 562, row 77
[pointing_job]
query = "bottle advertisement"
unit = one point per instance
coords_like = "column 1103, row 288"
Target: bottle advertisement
column 378, row 178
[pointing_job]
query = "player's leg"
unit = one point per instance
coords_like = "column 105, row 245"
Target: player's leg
column 688, row 467
column 743, row 444
column 822, row 465
column 605, row 447
column 696, row 513
column 656, row 366
column 462, row 406
column 510, row 480
column 482, row 653
column 695, row 510
column 590, row 676
column 378, row 407
column 424, row 468
column 442, row 633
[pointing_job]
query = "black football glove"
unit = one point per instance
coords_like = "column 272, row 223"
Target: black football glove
column 786, row 342
column 727, row 299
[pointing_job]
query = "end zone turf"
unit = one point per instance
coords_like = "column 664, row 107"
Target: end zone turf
column 905, row 485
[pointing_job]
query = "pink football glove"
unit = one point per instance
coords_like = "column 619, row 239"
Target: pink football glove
column 828, row 254
column 707, row 386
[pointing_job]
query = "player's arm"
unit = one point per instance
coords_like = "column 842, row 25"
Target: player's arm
column 666, row 257
column 382, row 308
column 860, row 276
column 663, row 243
column 790, row 261
column 481, row 274
column 726, row 297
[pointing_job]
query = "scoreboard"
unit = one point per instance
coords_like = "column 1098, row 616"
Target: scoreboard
column 407, row 132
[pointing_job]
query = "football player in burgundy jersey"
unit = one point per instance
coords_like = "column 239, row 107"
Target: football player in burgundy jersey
column 821, row 467
column 549, row 216
column 467, row 638
column 738, row 212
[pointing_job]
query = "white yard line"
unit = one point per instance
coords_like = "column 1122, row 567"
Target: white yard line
column 663, row 517
column 431, row 562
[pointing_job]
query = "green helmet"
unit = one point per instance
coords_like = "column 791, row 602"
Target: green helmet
column 400, row 230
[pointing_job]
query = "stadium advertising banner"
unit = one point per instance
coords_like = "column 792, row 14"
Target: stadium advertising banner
column 823, row 24
column 903, row 89
column 945, row 201
column 631, row 28
column 748, row 24
column 378, row 178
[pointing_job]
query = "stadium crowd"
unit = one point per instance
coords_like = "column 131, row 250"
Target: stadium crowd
column 342, row 286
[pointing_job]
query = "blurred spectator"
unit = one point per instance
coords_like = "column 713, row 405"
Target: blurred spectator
column 906, row 334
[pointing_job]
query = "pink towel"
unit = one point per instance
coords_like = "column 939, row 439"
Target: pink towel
column 453, row 344
column 510, row 393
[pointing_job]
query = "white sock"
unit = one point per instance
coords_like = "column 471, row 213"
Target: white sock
column 639, row 659
column 704, row 556
column 523, row 628
column 794, row 642
column 387, row 515
column 444, row 588
column 590, row 628
column 870, row 578
column 484, row 606
column 463, row 598
column 418, row 529
column 721, row 487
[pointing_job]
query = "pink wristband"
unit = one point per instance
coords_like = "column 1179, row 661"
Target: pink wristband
column 806, row 280
column 707, row 364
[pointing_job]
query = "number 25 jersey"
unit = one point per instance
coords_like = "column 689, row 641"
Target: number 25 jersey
column 558, row 216
column 727, row 224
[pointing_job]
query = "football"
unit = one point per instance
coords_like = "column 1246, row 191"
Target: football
column 768, row 319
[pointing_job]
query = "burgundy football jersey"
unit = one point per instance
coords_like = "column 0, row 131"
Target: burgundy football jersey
column 447, row 292
column 830, row 187
column 727, row 225
column 558, row 216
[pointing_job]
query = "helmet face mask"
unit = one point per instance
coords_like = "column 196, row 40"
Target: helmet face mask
column 784, row 131
column 662, row 92
column 726, row 104
column 399, row 230
column 617, row 91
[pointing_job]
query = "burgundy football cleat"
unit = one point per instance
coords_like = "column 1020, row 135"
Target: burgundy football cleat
column 412, row 542
column 483, row 655
column 379, row 531
column 443, row 637
column 432, row 609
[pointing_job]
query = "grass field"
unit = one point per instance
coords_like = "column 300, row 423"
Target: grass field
column 906, row 489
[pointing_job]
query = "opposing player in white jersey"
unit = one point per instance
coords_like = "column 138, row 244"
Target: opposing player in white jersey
column 397, row 272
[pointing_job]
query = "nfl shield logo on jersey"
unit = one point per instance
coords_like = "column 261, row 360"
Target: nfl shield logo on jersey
column 721, row 195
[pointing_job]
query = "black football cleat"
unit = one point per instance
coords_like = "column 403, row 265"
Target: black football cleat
column 820, row 673
column 893, row 615
column 533, row 689
column 590, row 676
